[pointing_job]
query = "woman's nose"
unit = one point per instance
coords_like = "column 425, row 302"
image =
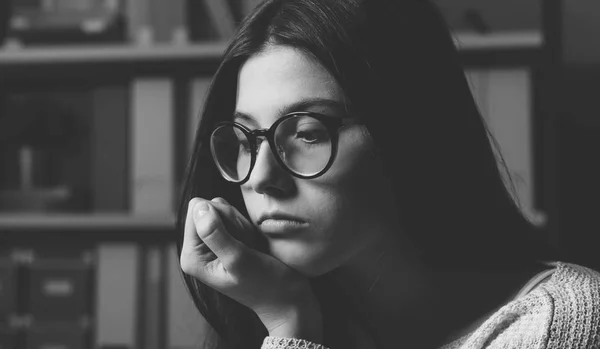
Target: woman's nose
column 267, row 176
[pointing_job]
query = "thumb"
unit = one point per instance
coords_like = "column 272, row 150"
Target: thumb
column 212, row 232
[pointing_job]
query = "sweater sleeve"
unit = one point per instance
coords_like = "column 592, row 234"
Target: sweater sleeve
column 289, row 343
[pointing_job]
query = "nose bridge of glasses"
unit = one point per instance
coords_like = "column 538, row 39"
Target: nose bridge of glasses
column 259, row 136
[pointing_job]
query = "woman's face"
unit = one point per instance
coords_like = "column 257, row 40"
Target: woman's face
column 315, row 225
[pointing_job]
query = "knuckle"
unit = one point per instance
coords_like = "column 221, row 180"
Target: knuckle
column 219, row 200
column 208, row 227
column 237, row 263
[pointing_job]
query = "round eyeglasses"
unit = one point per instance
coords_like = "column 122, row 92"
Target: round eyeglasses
column 303, row 143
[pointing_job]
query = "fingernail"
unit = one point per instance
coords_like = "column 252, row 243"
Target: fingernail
column 219, row 200
column 200, row 209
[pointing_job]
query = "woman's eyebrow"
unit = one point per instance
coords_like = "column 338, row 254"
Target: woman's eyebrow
column 304, row 104
column 301, row 105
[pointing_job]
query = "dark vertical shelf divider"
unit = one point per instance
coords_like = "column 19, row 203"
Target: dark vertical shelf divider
column 550, row 110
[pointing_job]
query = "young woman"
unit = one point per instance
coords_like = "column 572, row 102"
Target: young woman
column 344, row 192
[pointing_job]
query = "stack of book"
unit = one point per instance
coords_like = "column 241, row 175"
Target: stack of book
column 135, row 21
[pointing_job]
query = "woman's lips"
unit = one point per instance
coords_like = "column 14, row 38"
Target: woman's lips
column 280, row 225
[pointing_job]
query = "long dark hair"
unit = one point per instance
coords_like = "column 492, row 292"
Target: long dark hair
column 400, row 71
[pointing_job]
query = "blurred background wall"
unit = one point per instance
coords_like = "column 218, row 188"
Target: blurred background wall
column 98, row 105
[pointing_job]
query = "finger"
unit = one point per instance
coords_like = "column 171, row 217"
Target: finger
column 212, row 232
column 190, row 237
column 231, row 214
column 238, row 225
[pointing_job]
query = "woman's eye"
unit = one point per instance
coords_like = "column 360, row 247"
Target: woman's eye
column 245, row 146
column 311, row 136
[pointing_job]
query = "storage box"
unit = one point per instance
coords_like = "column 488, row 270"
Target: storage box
column 59, row 291
column 57, row 337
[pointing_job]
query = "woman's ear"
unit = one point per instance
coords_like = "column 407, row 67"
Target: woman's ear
column 375, row 151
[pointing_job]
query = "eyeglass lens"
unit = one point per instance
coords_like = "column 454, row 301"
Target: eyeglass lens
column 302, row 143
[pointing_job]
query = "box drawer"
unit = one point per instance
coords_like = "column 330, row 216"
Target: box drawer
column 59, row 291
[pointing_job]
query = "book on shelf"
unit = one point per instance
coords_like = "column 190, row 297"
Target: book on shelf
column 179, row 20
column 139, row 21
column 117, row 294
column 152, row 320
column 247, row 6
column 8, row 289
column 109, row 157
column 151, row 145
column 108, row 148
column 210, row 20
column 198, row 90
column 491, row 15
column 221, row 17
column 167, row 20
column 186, row 327
column 505, row 101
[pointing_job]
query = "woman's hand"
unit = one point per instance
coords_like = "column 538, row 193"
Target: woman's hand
column 281, row 297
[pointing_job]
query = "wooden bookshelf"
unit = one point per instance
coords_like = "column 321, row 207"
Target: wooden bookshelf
column 518, row 48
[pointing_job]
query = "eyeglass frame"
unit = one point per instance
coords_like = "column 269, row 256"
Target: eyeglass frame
column 333, row 124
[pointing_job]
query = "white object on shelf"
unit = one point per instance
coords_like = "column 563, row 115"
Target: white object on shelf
column 26, row 165
column 151, row 143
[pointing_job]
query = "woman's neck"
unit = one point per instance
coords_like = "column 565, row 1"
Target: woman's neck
column 401, row 301
column 388, row 290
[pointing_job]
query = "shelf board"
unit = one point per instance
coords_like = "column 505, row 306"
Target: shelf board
column 133, row 56
column 60, row 221
column 94, row 63
column 49, row 55
column 499, row 41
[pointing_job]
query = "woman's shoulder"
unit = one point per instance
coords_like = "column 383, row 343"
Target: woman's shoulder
column 562, row 312
column 575, row 292
column 571, row 274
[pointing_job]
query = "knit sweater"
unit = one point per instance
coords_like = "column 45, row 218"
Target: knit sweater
column 561, row 313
